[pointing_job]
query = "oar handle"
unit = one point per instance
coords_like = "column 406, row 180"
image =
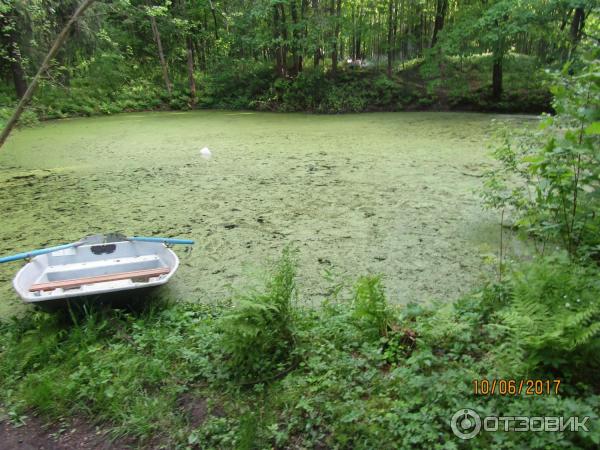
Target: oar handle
column 161, row 239
column 41, row 251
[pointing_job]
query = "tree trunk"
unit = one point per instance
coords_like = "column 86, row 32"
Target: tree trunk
column 353, row 42
column 277, row 40
column 190, row 67
column 214, row 16
column 334, row 52
column 295, row 38
column 497, row 56
column 497, row 77
column 395, row 27
column 440, row 16
column 13, row 54
column 303, row 8
column 161, row 55
column 284, row 35
column 390, row 50
column 317, row 54
column 60, row 39
column 421, row 31
column 16, row 67
column 359, row 53
column 577, row 27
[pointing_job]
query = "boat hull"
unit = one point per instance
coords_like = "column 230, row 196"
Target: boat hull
column 99, row 266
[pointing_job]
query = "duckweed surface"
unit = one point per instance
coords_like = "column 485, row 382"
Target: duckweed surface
column 390, row 193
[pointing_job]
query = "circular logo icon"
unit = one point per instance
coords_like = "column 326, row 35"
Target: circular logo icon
column 465, row 423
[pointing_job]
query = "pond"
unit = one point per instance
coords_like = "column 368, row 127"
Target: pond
column 389, row 193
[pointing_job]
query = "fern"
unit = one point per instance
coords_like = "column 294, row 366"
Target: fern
column 258, row 335
column 554, row 313
column 370, row 306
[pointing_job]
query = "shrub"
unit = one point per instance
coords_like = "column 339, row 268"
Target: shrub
column 258, row 334
column 28, row 118
column 553, row 317
column 370, row 308
column 160, row 374
column 550, row 178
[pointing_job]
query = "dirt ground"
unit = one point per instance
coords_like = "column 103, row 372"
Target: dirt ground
column 36, row 435
column 389, row 193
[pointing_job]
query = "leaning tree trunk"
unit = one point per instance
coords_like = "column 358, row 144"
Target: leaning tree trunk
column 60, row 39
column 161, row 54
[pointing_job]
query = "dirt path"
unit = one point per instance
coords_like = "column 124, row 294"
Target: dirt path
column 36, row 435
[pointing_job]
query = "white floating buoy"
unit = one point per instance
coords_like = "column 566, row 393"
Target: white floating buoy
column 205, row 153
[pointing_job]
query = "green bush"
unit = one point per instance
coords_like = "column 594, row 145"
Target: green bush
column 28, row 117
column 553, row 317
column 258, row 333
column 549, row 178
column 140, row 373
column 107, row 84
column 370, row 307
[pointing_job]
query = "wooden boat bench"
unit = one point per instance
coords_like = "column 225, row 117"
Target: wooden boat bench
column 78, row 282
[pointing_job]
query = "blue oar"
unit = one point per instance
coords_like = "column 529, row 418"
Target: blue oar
column 41, row 251
column 163, row 240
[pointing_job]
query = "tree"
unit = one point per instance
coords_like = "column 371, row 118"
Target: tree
column 390, row 34
column 11, row 51
column 153, row 12
column 549, row 178
column 441, row 6
column 495, row 27
column 336, row 33
column 60, row 39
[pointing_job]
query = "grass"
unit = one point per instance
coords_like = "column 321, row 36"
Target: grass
column 144, row 373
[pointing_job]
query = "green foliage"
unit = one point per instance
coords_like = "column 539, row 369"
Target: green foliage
column 235, row 85
column 27, row 119
column 107, row 85
column 553, row 317
column 463, row 83
column 131, row 371
column 551, row 179
column 258, row 333
column 370, row 309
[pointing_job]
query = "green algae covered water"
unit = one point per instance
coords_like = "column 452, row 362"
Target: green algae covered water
column 390, row 193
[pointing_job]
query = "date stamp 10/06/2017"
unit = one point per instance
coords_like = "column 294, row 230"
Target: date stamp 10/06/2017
column 516, row 387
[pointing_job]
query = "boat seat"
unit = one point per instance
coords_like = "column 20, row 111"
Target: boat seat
column 78, row 282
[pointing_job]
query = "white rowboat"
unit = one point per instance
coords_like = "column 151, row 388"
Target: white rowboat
column 96, row 265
